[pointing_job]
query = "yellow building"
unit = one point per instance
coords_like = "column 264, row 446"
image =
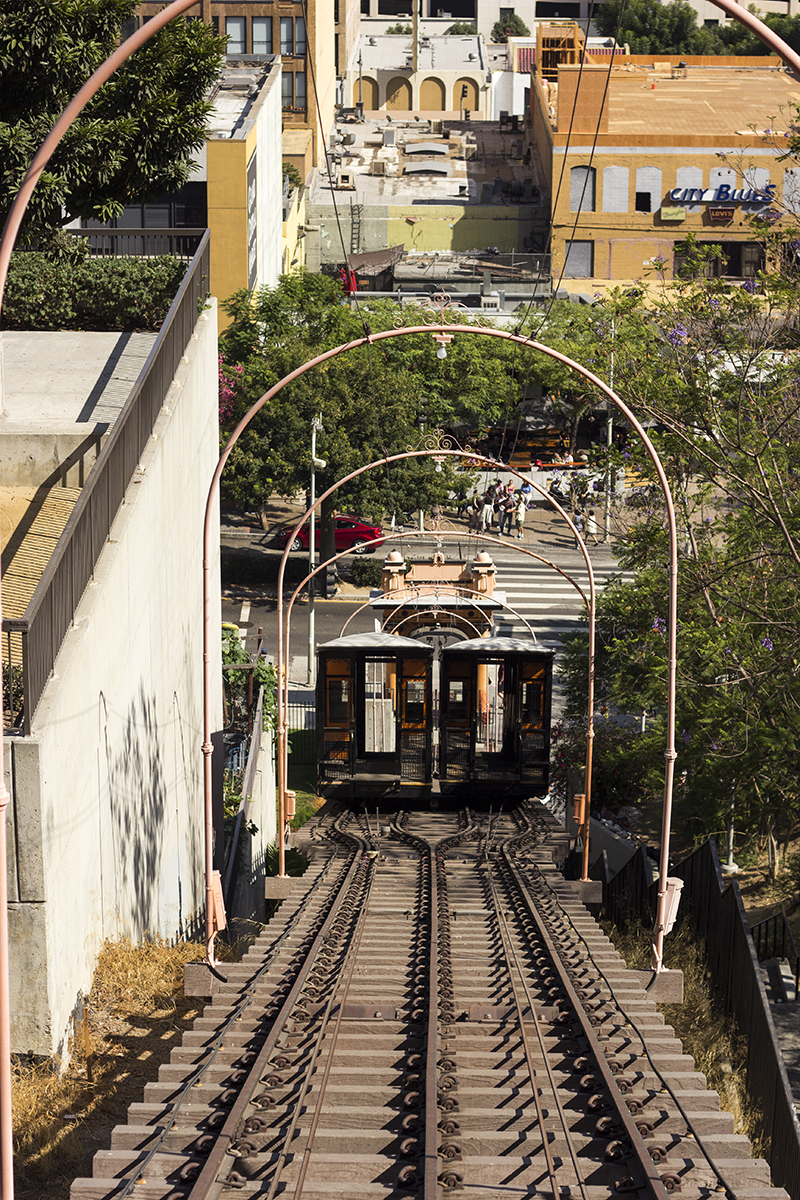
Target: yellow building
column 679, row 147
column 302, row 32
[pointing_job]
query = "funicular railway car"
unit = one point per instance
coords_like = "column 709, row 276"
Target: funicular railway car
column 395, row 715
column 495, row 716
column 373, row 714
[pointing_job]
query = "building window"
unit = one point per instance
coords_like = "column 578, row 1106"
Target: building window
column 214, row 24
column 234, row 30
column 287, row 91
column 740, row 260
column 300, row 37
column 299, row 89
column 648, row 189
column 287, row 35
column 129, row 27
column 791, row 190
column 690, row 179
column 581, row 189
column 262, row 35
column 615, row 189
column 579, row 260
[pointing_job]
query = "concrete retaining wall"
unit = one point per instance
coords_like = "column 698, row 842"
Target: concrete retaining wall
column 106, row 832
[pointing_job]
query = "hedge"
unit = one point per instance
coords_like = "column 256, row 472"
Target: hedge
column 94, row 294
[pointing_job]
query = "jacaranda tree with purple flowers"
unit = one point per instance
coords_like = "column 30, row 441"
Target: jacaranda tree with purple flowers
column 715, row 373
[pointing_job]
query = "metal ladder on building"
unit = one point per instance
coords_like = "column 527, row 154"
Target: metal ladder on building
column 356, row 211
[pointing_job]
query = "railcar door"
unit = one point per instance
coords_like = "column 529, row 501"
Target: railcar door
column 415, row 706
column 337, row 757
column 457, row 718
column 534, row 725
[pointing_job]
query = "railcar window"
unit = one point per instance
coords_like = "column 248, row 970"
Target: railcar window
column 414, row 701
column 338, row 702
column 458, row 701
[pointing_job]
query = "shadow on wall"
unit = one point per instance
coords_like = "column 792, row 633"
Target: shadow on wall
column 137, row 798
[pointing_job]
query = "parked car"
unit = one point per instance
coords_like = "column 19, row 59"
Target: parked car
column 350, row 534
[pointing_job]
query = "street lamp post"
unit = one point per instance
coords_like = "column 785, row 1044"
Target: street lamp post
column 316, row 464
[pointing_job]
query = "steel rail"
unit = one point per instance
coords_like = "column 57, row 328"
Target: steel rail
column 653, row 1181
column 350, row 966
column 431, row 1153
column 430, row 1180
column 207, row 1186
column 511, row 960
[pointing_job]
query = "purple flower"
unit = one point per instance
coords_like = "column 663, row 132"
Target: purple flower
column 687, row 737
column 750, row 286
column 767, row 643
column 678, row 336
column 659, row 625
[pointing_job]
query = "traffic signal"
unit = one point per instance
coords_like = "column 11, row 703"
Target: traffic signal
column 331, row 579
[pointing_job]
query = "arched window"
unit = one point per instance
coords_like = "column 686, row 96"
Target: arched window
column 581, row 189
column 398, row 94
column 616, row 182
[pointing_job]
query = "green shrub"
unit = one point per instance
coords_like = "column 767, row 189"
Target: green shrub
column 92, row 293
column 366, row 572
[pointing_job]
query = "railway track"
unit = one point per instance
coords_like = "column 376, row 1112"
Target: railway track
column 432, row 1011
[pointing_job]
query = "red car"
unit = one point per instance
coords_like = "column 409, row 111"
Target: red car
column 350, row 534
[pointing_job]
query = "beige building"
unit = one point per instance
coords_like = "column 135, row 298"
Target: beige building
column 451, row 76
column 681, row 147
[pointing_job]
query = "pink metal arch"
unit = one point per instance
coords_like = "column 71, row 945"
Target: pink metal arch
column 436, row 331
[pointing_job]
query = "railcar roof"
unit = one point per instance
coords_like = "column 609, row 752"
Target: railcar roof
column 377, row 641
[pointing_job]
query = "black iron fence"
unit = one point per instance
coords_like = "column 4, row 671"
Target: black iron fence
column 773, row 938
column 715, row 910
column 35, row 638
column 142, row 243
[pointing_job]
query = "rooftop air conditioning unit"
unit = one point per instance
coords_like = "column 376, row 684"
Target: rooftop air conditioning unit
column 345, row 179
column 437, row 127
column 378, row 167
column 490, row 301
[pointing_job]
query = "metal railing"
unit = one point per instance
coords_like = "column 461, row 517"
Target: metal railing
column 142, row 243
column 52, row 606
column 248, row 782
column 718, row 919
column 773, row 938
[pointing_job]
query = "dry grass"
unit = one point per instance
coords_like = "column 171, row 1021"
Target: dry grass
column 135, row 1014
column 705, row 1032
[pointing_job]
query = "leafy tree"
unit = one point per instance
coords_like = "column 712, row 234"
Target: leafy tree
column 650, row 27
column 462, row 29
column 400, row 29
column 132, row 141
column 512, row 26
column 714, row 372
column 373, row 401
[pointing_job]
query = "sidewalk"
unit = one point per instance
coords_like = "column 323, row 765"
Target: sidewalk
column 545, row 532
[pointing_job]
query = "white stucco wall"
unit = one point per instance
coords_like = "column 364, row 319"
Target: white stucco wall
column 106, row 822
column 270, row 182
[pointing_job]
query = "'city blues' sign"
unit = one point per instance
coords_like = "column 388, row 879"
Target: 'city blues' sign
column 724, row 194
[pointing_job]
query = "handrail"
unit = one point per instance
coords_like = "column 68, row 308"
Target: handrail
column 71, row 566
column 769, row 945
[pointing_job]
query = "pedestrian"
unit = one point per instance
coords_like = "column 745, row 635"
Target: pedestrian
column 577, row 521
column 506, row 515
column 487, row 511
column 591, row 527
column 519, row 516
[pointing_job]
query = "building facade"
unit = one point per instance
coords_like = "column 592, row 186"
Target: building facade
column 303, row 34
column 669, row 148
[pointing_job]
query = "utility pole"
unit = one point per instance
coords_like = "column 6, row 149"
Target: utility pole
column 415, row 36
column 609, row 439
column 316, row 463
